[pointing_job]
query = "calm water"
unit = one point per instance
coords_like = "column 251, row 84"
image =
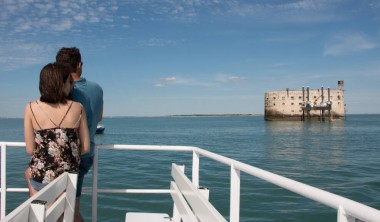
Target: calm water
column 342, row 157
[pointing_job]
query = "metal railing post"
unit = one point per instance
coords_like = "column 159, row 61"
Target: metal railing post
column 235, row 194
column 95, row 186
column 3, row 193
column 343, row 217
column 37, row 211
column 195, row 170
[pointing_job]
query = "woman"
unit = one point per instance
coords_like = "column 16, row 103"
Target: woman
column 55, row 129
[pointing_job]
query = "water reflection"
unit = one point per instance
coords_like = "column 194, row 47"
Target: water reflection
column 305, row 148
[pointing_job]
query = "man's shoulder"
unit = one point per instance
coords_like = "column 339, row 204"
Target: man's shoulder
column 84, row 84
column 93, row 84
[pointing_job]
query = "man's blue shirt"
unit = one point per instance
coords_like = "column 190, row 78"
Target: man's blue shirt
column 90, row 95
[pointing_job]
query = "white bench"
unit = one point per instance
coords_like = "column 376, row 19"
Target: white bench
column 190, row 204
column 59, row 195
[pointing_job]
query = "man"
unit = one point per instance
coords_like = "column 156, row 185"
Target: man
column 90, row 95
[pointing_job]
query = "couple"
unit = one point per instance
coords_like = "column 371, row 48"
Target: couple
column 59, row 128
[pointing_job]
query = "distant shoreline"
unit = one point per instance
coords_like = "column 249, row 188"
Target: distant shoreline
column 212, row 115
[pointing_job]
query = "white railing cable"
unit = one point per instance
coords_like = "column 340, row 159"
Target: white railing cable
column 146, row 147
column 346, row 208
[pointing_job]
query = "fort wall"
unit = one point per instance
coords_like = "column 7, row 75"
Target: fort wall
column 305, row 104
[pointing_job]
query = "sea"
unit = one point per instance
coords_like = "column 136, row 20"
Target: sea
column 342, row 157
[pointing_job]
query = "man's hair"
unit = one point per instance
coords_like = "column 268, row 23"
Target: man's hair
column 69, row 56
column 52, row 80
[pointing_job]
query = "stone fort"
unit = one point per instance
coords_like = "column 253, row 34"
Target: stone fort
column 306, row 104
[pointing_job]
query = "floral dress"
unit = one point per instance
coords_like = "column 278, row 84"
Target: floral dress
column 57, row 150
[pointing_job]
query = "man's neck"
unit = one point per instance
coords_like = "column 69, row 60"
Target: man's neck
column 75, row 76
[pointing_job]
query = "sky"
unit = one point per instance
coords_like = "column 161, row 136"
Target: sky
column 168, row 57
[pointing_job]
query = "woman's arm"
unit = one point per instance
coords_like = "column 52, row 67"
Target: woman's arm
column 84, row 135
column 29, row 135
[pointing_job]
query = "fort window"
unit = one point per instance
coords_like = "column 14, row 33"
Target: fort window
column 338, row 97
column 315, row 97
column 283, row 98
column 299, row 97
column 274, row 104
column 292, row 97
column 274, row 97
column 292, row 111
column 292, row 104
column 300, row 104
column 283, row 104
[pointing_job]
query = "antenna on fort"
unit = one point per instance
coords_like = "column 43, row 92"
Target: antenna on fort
column 323, row 97
column 340, row 84
column 303, row 95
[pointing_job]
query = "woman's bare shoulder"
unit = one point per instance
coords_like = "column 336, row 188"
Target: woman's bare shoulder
column 76, row 105
column 30, row 104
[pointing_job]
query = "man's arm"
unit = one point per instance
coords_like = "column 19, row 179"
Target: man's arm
column 100, row 114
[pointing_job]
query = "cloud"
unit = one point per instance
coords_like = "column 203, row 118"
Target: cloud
column 20, row 16
column 230, row 78
column 53, row 16
column 304, row 11
column 31, row 29
column 375, row 4
column 158, row 85
column 192, row 11
column 179, row 11
column 280, row 65
column 158, row 42
column 16, row 54
column 221, row 78
column 305, row 5
column 63, row 25
column 345, row 44
column 171, row 80
column 80, row 18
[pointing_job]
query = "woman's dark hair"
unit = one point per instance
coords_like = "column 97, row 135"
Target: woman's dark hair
column 52, row 80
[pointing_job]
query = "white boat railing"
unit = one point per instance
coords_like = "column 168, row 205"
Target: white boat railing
column 54, row 200
column 347, row 210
